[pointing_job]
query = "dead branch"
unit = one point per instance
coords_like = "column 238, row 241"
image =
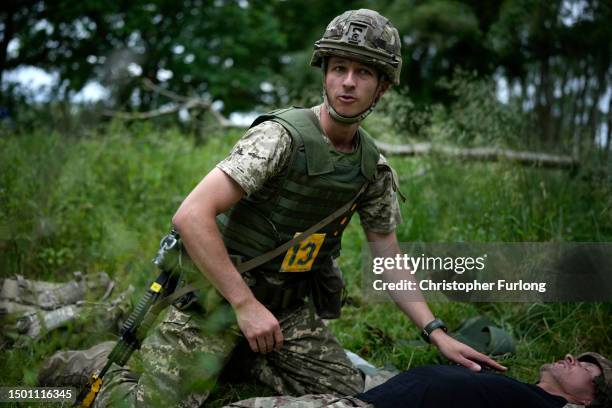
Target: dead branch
column 482, row 154
column 148, row 84
column 163, row 110
column 179, row 102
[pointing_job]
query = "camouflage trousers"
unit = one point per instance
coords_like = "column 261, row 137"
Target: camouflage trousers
column 306, row 401
column 181, row 360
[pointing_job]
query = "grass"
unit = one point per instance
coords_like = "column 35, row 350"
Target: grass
column 103, row 200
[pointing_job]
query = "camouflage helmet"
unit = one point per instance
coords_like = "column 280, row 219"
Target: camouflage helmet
column 603, row 387
column 363, row 35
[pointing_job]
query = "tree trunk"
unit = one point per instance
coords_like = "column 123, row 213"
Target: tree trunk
column 562, row 102
column 543, row 103
column 609, row 132
column 593, row 118
column 578, row 115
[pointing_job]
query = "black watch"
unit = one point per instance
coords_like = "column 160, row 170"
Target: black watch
column 431, row 326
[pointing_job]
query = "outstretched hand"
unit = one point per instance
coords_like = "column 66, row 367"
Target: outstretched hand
column 259, row 326
column 461, row 353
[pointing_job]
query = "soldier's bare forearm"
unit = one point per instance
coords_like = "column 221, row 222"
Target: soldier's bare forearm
column 195, row 222
column 411, row 303
column 203, row 243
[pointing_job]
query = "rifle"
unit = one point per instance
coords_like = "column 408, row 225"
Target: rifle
column 135, row 328
column 163, row 289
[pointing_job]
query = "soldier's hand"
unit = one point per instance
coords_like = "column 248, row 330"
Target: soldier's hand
column 461, row 353
column 259, row 326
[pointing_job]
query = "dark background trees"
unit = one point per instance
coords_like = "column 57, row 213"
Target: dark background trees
column 549, row 58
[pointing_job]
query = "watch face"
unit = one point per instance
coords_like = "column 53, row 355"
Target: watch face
column 431, row 326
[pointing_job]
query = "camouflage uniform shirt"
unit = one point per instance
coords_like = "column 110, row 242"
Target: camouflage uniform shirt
column 263, row 153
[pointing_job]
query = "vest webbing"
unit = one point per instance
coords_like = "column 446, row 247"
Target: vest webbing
column 318, row 180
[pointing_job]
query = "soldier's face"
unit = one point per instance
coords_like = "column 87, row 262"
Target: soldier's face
column 352, row 86
column 573, row 377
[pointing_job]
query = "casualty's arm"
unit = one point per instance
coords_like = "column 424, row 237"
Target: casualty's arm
column 195, row 222
column 415, row 307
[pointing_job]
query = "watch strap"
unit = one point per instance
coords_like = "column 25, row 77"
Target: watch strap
column 431, row 326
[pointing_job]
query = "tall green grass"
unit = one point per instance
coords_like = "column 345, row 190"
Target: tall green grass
column 454, row 201
column 102, row 202
column 98, row 202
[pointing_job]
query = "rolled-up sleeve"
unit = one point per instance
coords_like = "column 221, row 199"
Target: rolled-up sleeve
column 379, row 209
column 258, row 156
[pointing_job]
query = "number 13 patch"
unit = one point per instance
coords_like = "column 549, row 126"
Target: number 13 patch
column 300, row 257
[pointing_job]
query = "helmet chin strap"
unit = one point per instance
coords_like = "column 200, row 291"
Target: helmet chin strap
column 347, row 120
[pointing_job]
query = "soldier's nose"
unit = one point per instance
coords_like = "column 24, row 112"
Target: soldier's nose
column 349, row 80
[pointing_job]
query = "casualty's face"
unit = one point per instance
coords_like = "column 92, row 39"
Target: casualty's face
column 573, row 377
column 351, row 86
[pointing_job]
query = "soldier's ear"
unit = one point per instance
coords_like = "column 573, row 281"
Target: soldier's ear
column 383, row 87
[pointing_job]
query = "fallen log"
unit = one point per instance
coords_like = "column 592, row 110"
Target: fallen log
column 535, row 159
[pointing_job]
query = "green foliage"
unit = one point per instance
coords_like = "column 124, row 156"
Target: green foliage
column 102, row 201
column 298, row 84
column 207, row 46
column 397, row 119
column 443, row 23
column 553, row 59
column 221, row 50
column 478, row 118
column 475, row 118
column 452, row 201
column 92, row 203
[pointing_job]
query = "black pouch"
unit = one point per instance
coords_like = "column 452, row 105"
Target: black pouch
column 328, row 290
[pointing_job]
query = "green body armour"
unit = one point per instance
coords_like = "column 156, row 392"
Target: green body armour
column 317, row 181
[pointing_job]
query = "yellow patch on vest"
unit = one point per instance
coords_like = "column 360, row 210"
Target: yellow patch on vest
column 300, row 257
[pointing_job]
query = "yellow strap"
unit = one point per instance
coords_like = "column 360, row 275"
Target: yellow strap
column 93, row 391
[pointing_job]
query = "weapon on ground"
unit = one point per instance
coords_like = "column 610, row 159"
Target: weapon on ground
column 139, row 322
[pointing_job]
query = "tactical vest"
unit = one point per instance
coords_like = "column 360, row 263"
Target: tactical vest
column 317, row 181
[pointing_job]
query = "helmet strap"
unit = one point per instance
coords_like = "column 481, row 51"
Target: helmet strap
column 348, row 120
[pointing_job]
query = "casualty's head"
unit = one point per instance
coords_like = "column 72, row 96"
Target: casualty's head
column 584, row 380
column 354, row 42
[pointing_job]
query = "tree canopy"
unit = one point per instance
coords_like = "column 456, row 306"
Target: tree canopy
column 553, row 57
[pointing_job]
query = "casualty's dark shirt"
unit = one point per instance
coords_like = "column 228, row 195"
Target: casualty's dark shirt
column 455, row 386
